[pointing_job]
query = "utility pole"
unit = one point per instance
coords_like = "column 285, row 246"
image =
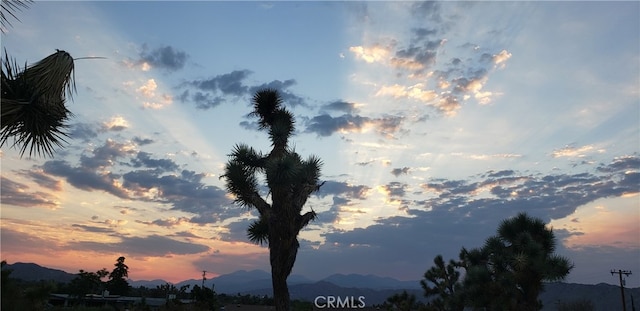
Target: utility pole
column 204, row 277
column 620, row 273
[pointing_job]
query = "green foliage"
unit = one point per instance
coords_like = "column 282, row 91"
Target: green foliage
column 118, row 284
column 442, row 281
column 18, row 295
column 86, row 283
column 401, row 302
column 508, row 271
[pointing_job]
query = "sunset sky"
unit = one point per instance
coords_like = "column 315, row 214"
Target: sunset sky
column 435, row 121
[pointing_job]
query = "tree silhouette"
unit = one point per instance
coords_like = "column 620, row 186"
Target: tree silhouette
column 87, row 283
column 508, row 271
column 442, row 281
column 117, row 284
column 33, row 103
column 290, row 179
column 401, row 302
column 9, row 8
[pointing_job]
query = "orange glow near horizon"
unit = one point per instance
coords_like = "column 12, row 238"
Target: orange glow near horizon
column 613, row 222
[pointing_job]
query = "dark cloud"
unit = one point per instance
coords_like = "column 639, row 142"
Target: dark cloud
column 340, row 106
column 143, row 159
column 142, row 141
column 83, row 178
column 400, row 171
column 184, row 191
column 209, row 93
column 165, row 57
column 166, row 223
column 226, row 84
column 395, row 189
column 18, row 194
column 42, row 179
column 326, row 125
column 343, row 189
column 237, row 230
column 631, row 162
column 288, row 98
column 83, row 131
column 18, row 243
column 502, row 173
column 150, row 246
column 93, row 229
column 105, row 155
column 158, row 180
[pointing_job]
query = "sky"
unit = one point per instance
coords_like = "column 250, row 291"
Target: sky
column 435, row 121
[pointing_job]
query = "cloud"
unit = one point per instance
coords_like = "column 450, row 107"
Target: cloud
column 429, row 64
column 347, row 190
column 574, row 152
column 142, row 141
column 117, row 123
column 394, row 189
column 400, row 171
column 500, row 58
column 93, row 229
column 17, row 194
column 168, row 223
column 83, row 131
column 340, row 106
column 143, row 159
column 148, row 89
column 371, row 54
column 211, row 92
column 153, row 180
column 18, row 243
column 42, row 179
column 149, row 246
column 165, row 57
column 463, row 212
column 326, row 125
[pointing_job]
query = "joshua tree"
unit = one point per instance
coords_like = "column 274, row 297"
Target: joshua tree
column 290, row 179
column 508, row 271
column 442, row 281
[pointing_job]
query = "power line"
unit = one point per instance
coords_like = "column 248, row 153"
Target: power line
column 204, row 277
column 620, row 273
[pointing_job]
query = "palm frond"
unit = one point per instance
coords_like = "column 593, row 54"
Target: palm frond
column 33, row 103
column 8, row 9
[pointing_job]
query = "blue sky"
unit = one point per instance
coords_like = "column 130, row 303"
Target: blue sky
column 435, row 121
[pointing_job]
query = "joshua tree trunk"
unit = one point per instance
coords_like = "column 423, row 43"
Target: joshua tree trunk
column 283, row 249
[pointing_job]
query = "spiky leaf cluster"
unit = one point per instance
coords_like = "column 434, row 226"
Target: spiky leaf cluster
column 33, row 103
column 512, row 265
column 8, row 9
column 290, row 178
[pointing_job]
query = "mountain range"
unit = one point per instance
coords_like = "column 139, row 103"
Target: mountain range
column 374, row 288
